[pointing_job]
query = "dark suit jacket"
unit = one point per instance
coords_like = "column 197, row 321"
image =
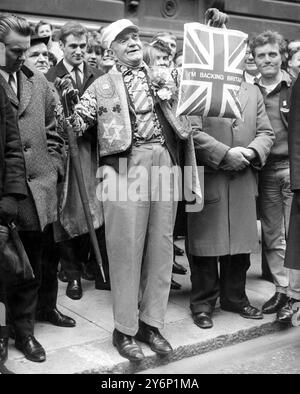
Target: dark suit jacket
column 293, row 247
column 89, row 74
column 12, row 169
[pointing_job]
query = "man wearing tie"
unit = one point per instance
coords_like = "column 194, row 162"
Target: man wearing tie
column 33, row 106
column 73, row 42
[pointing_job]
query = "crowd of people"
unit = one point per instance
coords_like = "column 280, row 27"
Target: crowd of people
column 124, row 130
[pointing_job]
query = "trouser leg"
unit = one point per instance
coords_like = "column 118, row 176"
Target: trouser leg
column 47, row 295
column 205, row 283
column 273, row 205
column 125, row 230
column 294, row 284
column 72, row 252
column 233, row 271
column 22, row 297
column 158, row 258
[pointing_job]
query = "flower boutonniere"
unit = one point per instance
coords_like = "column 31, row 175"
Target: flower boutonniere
column 163, row 83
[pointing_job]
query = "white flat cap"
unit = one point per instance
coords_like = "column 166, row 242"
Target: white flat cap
column 111, row 31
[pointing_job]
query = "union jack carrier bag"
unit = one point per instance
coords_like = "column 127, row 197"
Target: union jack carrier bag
column 212, row 71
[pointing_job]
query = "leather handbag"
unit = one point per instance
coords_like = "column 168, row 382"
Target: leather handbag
column 14, row 263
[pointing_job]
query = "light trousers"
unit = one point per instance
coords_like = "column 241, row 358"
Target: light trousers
column 139, row 219
column 275, row 200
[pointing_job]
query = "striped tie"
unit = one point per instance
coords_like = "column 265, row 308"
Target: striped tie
column 143, row 106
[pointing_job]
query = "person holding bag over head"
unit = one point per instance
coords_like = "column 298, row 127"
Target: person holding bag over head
column 12, row 189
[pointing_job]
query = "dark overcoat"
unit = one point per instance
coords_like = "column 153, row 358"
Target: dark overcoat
column 292, row 259
column 227, row 223
column 72, row 221
column 12, row 170
column 41, row 146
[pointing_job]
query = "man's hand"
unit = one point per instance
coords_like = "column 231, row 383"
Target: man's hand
column 235, row 160
column 249, row 153
column 215, row 18
column 8, row 209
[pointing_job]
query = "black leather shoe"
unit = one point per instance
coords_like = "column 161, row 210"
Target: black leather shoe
column 178, row 251
column 154, row 339
column 56, row 318
column 74, row 289
column 62, row 276
column 178, row 269
column 127, row 347
column 4, row 335
column 275, row 303
column 285, row 314
column 175, row 285
column 32, row 349
column 250, row 312
column 203, row 320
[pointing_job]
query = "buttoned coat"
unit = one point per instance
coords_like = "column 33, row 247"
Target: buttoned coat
column 227, row 223
column 41, row 145
column 293, row 246
column 12, row 169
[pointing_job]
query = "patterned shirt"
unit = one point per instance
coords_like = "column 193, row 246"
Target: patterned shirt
column 136, row 80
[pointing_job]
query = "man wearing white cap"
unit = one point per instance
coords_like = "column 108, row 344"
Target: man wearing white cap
column 136, row 132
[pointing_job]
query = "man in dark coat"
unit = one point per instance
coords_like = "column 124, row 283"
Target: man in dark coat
column 291, row 262
column 74, row 248
column 33, row 104
column 12, row 189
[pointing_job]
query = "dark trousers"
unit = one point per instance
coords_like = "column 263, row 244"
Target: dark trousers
column 22, row 297
column 47, row 295
column 73, row 253
column 208, row 283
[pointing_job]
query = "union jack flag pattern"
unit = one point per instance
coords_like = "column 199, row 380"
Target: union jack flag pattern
column 211, row 72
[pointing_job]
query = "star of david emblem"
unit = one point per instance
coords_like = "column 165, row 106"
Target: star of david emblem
column 112, row 131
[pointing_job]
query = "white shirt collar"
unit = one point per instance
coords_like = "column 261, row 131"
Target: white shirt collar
column 70, row 68
column 6, row 75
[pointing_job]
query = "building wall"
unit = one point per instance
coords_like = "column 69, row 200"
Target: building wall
column 157, row 15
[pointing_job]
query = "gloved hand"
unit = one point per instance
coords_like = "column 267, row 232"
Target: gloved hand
column 8, row 209
column 215, row 17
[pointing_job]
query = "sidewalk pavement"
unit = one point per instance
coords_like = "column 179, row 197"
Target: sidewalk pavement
column 87, row 348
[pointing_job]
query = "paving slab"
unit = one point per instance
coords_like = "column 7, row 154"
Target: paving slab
column 87, row 348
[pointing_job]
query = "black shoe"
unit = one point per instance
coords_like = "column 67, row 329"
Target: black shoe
column 154, row 339
column 32, row 349
column 275, row 303
column 247, row 311
column 175, row 285
column 87, row 273
column 286, row 313
column 127, row 347
column 74, row 289
column 250, row 312
column 62, row 276
column 4, row 335
column 100, row 285
column 56, row 318
column 203, row 320
column 178, row 251
column 178, row 269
